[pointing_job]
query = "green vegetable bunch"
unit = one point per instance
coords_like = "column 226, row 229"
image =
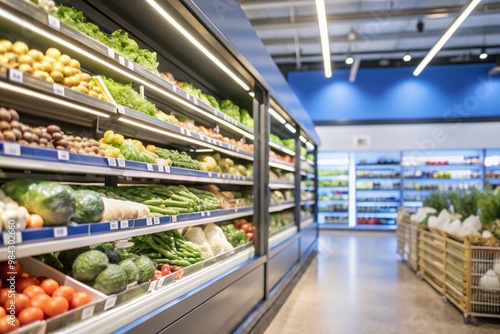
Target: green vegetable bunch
column 489, row 206
column 235, row 236
column 246, row 119
column 118, row 40
column 128, row 97
column 289, row 143
column 168, row 247
column 275, row 138
column 230, row 109
column 179, row 159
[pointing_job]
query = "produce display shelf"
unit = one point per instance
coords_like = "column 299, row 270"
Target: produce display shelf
column 378, row 203
column 306, row 222
column 307, row 188
column 31, row 18
column 371, row 190
column 281, row 165
column 334, row 188
column 493, row 181
column 310, row 162
column 334, row 201
column 281, row 185
column 333, row 177
column 311, row 175
column 113, row 320
column 41, row 159
column 311, row 202
column 492, row 167
column 377, row 214
column 49, row 239
column 377, row 166
column 281, row 207
column 445, row 167
column 377, row 179
column 476, row 179
column 334, row 213
column 377, row 227
column 282, row 235
column 281, row 148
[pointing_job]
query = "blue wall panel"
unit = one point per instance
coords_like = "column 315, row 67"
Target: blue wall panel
column 440, row 92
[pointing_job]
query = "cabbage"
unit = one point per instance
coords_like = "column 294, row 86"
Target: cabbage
column 489, row 282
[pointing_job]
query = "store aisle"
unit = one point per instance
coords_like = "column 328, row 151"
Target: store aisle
column 358, row 285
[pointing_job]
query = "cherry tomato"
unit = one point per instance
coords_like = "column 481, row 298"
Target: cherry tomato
column 49, row 286
column 64, row 291
column 19, row 302
column 39, row 300
column 33, row 290
column 56, row 306
column 30, row 314
column 22, row 283
column 165, row 270
column 79, row 299
column 7, row 326
column 7, row 270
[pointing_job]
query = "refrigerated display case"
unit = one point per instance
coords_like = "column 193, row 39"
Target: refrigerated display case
column 164, row 154
column 492, row 168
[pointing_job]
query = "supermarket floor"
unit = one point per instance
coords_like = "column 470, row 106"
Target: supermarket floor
column 358, row 285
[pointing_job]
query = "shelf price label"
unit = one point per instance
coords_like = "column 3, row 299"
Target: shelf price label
column 209, row 174
column 188, row 133
column 12, row 149
column 15, row 75
column 161, row 281
column 152, row 285
column 195, row 100
column 167, row 169
column 9, row 239
column 156, row 220
column 121, row 163
column 149, row 221
column 124, row 224
column 58, row 89
column 161, row 169
column 112, row 162
column 111, row 53
column 174, row 219
column 121, row 60
column 120, row 110
column 208, row 213
column 54, row 23
column 174, row 88
column 62, row 155
column 150, row 167
column 110, row 303
column 88, row 312
column 113, row 225
column 130, row 65
column 60, row 232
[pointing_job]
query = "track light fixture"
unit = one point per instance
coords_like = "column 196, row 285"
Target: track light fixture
column 349, row 60
column 420, row 26
column 483, row 54
column 407, row 57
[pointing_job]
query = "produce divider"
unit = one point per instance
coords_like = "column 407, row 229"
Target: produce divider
column 134, row 170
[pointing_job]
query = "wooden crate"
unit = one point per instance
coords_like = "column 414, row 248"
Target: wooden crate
column 407, row 234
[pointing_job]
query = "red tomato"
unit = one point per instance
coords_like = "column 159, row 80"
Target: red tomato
column 165, row 270
column 250, row 236
column 39, row 300
column 56, row 306
column 4, row 293
column 22, row 283
column 6, row 325
column 8, row 270
column 18, row 303
column 246, row 227
column 41, row 279
column 33, row 290
column 49, row 286
column 2, row 312
column 79, row 299
column 30, row 314
column 64, row 291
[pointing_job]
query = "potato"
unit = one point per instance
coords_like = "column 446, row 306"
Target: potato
column 97, row 89
column 74, row 63
column 25, row 59
column 52, row 129
column 65, row 59
column 23, row 142
column 18, row 134
column 49, row 78
column 58, row 66
column 40, row 74
column 37, row 132
column 50, row 60
column 4, row 115
column 14, row 116
column 53, row 52
column 86, row 77
column 37, row 55
column 57, row 76
column 38, row 66
column 47, row 66
column 28, row 136
column 9, row 136
column 68, row 71
column 11, row 57
column 67, row 82
column 3, row 60
column 25, row 128
column 3, row 49
column 20, row 48
column 57, row 136
column 6, row 44
column 15, row 124
column 82, row 89
column 62, row 143
column 4, row 126
column 93, row 94
column 25, row 68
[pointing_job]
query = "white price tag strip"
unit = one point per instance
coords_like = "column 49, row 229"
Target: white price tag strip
column 15, row 75
column 62, row 155
column 54, row 23
column 208, row 213
column 88, row 312
column 121, row 163
column 167, row 169
column 156, row 220
column 121, row 110
column 174, row 219
column 150, row 167
column 12, row 239
column 11, row 149
column 130, row 286
column 195, row 100
column 124, row 224
column 112, row 162
column 183, row 131
column 161, row 281
column 111, row 53
column 58, row 89
column 161, row 169
column 60, row 232
column 110, row 302
column 149, row 221
column 113, row 225
column 203, row 214
column 152, row 285
column 188, row 133
column 121, row 60
column 130, row 65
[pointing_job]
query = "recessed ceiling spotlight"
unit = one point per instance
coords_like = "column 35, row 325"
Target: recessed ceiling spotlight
column 349, row 60
column 483, row 54
column 407, row 57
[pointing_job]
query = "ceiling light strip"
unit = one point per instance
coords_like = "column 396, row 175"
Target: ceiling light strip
column 311, row 146
column 193, row 41
column 290, row 128
column 447, row 35
column 277, row 116
column 303, row 139
column 325, row 37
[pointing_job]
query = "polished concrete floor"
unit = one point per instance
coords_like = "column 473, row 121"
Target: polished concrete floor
column 358, row 285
